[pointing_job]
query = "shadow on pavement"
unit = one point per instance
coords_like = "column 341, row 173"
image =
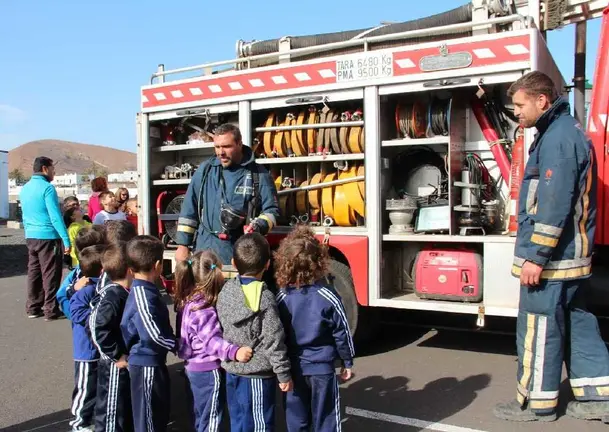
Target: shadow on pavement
column 14, row 260
column 180, row 410
column 182, row 418
column 480, row 342
column 435, row 402
column 49, row 423
column 387, row 339
column 564, row 397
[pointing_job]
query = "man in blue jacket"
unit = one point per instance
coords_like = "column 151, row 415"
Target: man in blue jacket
column 228, row 195
column 556, row 223
column 46, row 238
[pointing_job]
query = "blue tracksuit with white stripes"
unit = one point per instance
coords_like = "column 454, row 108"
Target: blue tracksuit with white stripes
column 85, row 357
column 148, row 337
column 317, row 333
column 113, row 406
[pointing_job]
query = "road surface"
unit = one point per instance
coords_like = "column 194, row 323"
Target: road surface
column 408, row 379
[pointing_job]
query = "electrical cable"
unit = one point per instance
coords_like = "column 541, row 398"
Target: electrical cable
column 439, row 117
column 480, row 175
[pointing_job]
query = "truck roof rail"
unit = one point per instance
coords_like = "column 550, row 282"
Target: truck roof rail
column 448, row 29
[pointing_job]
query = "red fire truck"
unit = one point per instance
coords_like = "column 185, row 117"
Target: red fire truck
column 397, row 144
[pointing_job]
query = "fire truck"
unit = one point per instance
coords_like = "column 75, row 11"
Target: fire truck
column 397, row 144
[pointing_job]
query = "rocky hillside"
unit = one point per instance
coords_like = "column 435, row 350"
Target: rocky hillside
column 71, row 157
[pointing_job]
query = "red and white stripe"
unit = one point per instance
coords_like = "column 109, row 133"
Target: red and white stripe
column 484, row 53
column 254, row 81
column 318, row 72
column 598, row 123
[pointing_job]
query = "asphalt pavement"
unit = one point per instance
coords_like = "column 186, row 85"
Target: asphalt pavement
column 407, row 379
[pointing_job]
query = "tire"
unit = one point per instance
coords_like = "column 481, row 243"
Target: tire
column 342, row 281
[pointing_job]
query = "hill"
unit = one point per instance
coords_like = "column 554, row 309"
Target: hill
column 70, row 157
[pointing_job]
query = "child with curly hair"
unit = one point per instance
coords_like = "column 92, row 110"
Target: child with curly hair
column 201, row 346
column 317, row 332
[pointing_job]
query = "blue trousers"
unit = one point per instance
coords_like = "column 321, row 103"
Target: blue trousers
column 208, row 391
column 251, row 403
column 113, row 406
column 553, row 326
column 150, row 397
column 84, row 394
column 314, row 404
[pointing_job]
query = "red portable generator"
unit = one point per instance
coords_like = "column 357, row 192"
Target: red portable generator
column 448, row 274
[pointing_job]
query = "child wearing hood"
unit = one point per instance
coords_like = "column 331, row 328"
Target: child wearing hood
column 249, row 317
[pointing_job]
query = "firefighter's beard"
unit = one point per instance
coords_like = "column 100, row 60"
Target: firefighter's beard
column 230, row 160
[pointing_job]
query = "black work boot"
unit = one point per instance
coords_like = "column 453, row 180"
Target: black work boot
column 591, row 410
column 512, row 411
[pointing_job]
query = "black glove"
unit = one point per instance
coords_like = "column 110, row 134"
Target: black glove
column 67, row 260
column 256, row 225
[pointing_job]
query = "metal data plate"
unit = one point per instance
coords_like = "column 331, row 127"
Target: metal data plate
column 447, row 61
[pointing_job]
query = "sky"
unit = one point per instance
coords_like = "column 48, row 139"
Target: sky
column 73, row 70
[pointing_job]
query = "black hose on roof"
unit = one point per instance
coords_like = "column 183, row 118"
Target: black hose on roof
column 455, row 16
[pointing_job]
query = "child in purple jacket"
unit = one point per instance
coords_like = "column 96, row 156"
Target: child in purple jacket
column 200, row 344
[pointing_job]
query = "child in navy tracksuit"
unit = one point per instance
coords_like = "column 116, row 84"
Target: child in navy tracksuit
column 85, row 353
column 115, row 232
column 113, row 406
column 317, row 332
column 249, row 317
column 88, row 236
column 148, row 336
column 200, row 344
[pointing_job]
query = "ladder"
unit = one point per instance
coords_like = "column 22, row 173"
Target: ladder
column 558, row 13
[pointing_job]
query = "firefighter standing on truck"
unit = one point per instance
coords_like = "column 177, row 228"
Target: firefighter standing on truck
column 556, row 222
column 228, row 195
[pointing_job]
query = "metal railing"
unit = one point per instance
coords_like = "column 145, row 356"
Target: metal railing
column 452, row 28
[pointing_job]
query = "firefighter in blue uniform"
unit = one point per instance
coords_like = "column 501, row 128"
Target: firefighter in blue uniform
column 228, row 195
column 556, row 222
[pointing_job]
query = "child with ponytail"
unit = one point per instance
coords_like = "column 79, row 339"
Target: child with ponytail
column 197, row 284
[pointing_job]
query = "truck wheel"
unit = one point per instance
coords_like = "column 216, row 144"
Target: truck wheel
column 343, row 284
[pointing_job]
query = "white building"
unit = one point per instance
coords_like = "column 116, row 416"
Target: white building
column 124, row 177
column 76, row 184
column 3, row 184
column 72, row 179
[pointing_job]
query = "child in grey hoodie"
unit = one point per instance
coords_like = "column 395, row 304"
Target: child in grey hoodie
column 249, row 317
